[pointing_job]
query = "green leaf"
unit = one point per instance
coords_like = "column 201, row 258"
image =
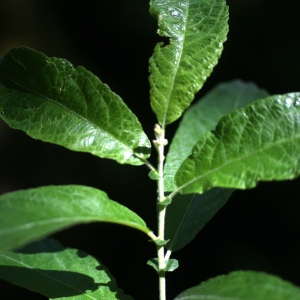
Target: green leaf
column 197, row 31
column 204, row 116
column 28, row 215
column 153, row 262
column 52, row 101
column 260, row 142
column 160, row 242
column 188, row 214
column 46, row 267
column 171, row 264
column 153, row 174
column 243, row 285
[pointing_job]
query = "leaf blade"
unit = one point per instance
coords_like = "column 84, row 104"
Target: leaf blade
column 178, row 70
column 51, row 100
column 32, row 214
column 242, row 285
column 258, row 142
column 46, row 267
column 188, row 214
column 203, row 116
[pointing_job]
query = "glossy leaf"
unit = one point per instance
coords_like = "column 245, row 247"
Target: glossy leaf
column 28, row 215
column 46, row 267
column 52, row 101
column 197, row 31
column 242, row 285
column 204, row 116
column 188, row 214
column 260, row 142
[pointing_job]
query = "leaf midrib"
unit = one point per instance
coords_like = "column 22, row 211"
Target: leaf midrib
column 22, row 264
column 71, row 220
column 232, row 162
column 71, row 111
column 178, row 64
column 182, row 221
column 176, row 70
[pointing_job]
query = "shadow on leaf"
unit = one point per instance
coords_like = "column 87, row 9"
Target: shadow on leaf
column 61, row 272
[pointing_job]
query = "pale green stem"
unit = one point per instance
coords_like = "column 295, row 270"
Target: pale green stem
column 173, row 194
column 152, row 236
column 160, row 143
column 145, row 161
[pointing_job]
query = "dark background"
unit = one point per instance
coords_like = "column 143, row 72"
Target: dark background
column 257, row 230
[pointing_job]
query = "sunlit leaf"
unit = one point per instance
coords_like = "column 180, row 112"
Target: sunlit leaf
column 242, row 285
column 52, row 101
column 31, row 214
column 197, row 30
column 260, row 142
column 204, row 116
column 46, row 267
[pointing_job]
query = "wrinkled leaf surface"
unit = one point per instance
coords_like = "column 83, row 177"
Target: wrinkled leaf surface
column 204, row 116
column 197, row 31
column 242, row 285
column 52, row 101
column 260, row 142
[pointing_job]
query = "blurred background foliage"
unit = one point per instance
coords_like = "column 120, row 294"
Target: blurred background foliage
column 257, row 230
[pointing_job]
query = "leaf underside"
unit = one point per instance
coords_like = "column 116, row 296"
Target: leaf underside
column 242, row 285
column 52, row 101
column 32, row 214
column 260, row 142
column 188, row 214
column 197, row 31
column 46, row 267
column 202, row 117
